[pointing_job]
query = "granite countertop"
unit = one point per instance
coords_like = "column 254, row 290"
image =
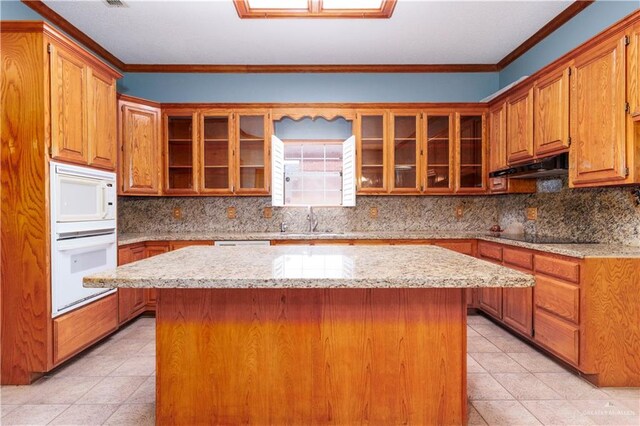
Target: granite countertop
column 572, row 250
column 310, row 267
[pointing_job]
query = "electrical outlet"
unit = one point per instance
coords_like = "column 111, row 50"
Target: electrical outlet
column 176, row 213
column 231, row 212
column 459, row 212
column 532, row 213
column 373, row 212
column 267, row 212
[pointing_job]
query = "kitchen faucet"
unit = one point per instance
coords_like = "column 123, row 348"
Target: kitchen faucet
column 313, row 220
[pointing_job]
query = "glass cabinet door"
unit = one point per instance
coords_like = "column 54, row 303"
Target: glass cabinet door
column 439, row 156
column 471, row 160
column 180, row 131
column 371, row 145
column 216, row 153
column 405, row 153
column 252, row 153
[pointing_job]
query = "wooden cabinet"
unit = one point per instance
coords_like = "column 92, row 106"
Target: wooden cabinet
column 252, row 159
column 598, row 153
column 405, row 152
column 470, row 161
column 439, row 152
column 371, row 150
column 181, row 153
column 68, row 79
column 140, row 147
column 153, row 249
column 551, row 113
column 520, row 126
column 498, row 137
column 490, row 301
column 102, row 120
column 131, row 301
column 216, row 152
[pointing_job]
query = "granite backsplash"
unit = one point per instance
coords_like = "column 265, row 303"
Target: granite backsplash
column 607, row 215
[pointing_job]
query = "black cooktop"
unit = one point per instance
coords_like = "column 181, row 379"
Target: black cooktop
column 540, row 239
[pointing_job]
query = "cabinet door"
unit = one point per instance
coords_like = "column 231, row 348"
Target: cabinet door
column 371, row 131
column 634, row 73
column 101, row 120
column 131, row 301
column 181, row 134
column 551, row 113
column 490, row 301
column 598, row 148
column 520, row 127
column 68, row 75
column 216, row 151
column 498, row 138
column 518, row 309
column 439, row 152
column 470, row 153
column 252, row 159
column 140, row 148
column 405, row 152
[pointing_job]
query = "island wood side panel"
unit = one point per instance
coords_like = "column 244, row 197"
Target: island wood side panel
column 311, row 356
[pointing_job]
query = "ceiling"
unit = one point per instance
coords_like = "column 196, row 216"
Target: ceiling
column 210, row 32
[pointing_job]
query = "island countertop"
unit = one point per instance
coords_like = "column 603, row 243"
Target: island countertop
column 310, row 267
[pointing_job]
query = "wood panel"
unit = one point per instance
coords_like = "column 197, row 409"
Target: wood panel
column 102, row 120
column 518, row 258
column 79, row 329
column 26, row 302
column 490, row 251
column 490, row 301
column 520, row 126
column 68, row 105
column 558, row 336
column 311, row 356
column 612, row 321
column 498, row 137
column 517, row 309
column 564, row 269
column 140, row 153
column 598, row 93
column 558, row 298
column 551, row 113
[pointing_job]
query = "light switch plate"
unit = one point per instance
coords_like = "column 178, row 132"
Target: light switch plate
column 459, row 212
column 176, row 213
column 373, row 212
column 267, row 213
column 532, row 213
column 231, row 212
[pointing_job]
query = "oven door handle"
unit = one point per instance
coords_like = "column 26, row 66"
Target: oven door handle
column 105, row 209
column 86, row 242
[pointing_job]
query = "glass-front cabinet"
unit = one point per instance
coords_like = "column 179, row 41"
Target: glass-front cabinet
column 439, row 144
column 471, row 156
column 405, row 152
column 371, row 131
column 180, row 153
column 252, row 152
column 216, row 152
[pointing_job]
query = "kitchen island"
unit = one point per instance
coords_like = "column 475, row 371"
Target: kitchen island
column 311, row 335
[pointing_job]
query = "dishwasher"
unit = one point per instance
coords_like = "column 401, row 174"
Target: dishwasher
column 241, row 243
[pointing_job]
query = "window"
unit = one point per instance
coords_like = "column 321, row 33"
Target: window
column 313, row 173
column 315, row 8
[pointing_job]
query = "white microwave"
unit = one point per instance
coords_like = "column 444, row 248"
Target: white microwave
column 83, row 197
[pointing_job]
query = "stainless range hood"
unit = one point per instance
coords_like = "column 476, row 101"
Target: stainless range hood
column 547, row 167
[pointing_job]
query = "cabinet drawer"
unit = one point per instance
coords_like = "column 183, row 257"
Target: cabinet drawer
column 559, row 298
column 78, row 329
column 518, row 258
column 559, row 268
column 556, row 335
column 175, row 245
column 490, row 251
column 464, row 247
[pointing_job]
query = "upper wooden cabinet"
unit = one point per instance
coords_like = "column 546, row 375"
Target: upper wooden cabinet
column 405, row 152
column 252, row 159
column 598, row 153
column 83, row 108
column 551, row 113
column 439, row 152
column 520, row 126
column 471, row 168
column 498, row 137
column 181, row 152
column 371, row 150
column 140, row 148
column 216, row 152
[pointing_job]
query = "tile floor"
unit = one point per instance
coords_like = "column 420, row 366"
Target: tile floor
column 509, row 383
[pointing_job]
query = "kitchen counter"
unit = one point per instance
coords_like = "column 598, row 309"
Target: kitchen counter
column 580, row 251
column 311, row 267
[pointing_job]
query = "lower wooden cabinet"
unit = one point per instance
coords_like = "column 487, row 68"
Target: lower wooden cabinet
column 517, row 309
column 558, row 336
column 490, row 301
column 131, row 301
